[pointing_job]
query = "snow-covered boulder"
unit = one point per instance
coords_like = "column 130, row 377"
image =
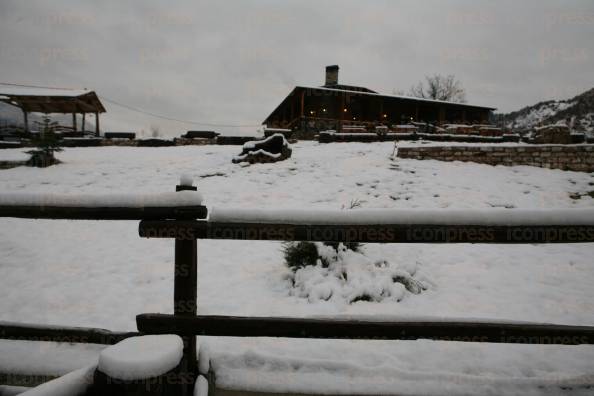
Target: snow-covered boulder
column 272, row 149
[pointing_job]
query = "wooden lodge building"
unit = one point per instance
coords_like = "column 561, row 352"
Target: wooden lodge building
column 335, row 106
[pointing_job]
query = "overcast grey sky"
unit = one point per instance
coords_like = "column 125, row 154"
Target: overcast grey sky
column 232, row 62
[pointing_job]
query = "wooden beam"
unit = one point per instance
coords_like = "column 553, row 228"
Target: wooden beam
column 369, row 233
column 23, row 331
column 26, row 120
column 96, row 124
column 341, row 113
column 102, row 213
column 232, row 326
column 83, row 121
column 84, row 106
column 74, row 122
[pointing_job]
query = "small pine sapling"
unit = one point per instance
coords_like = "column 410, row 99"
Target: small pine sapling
column 47, row 142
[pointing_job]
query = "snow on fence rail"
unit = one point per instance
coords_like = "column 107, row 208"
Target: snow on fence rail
column 183, row 204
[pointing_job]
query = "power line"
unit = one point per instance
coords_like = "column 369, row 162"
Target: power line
column 144, row 111
column 174, row 119
column 36, row 86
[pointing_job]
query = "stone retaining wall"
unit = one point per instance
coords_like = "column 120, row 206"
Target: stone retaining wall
column 566, row 157
column 362, row 137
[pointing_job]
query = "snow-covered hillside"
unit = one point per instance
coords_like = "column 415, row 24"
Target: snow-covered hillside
column 102, row 274
column 578, row 111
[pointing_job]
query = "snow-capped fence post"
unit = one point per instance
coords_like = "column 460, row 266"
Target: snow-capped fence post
column 185, row 291
column 140, row 366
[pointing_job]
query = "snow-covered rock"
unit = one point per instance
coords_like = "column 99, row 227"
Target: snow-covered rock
column 272, row 149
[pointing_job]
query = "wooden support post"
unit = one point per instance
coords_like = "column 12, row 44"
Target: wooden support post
column 185, row 295
column 96, row 124
column 26, row 120
column 442, row 116
column 74, row 121
column 340, row 113
column 83, row 121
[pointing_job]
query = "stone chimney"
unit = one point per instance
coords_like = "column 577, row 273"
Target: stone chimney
column 331, row 75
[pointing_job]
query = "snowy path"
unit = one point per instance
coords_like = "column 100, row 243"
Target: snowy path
column 102, row 274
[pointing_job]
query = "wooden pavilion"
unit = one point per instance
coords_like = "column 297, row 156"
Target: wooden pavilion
column 334, row 106
column 53, row 100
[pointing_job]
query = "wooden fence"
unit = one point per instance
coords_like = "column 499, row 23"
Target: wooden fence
column 188, row 223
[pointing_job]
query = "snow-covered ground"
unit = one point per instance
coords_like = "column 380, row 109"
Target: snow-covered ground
column 102, row 274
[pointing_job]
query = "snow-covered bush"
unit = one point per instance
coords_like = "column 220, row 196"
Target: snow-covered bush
column 300, row 254
column 329, row 273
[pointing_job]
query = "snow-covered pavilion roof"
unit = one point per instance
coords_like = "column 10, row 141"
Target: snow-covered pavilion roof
column 51, row 100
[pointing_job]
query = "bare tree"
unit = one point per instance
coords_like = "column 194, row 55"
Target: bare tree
column 440, row 88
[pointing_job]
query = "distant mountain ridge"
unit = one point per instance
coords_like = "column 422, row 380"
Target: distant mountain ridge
column 578, row 112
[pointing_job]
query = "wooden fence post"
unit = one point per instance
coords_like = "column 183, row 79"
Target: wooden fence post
column 185, row 295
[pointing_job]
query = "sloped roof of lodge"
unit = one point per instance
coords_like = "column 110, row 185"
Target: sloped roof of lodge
column 51, row 100
column 367, row 92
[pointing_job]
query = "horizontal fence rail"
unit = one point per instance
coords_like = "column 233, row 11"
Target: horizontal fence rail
column 370, row 233
column 176, row 205
column 103, row 213
column 30, row 332
column 493, row 332
column 415, row 233
column 385, row 226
